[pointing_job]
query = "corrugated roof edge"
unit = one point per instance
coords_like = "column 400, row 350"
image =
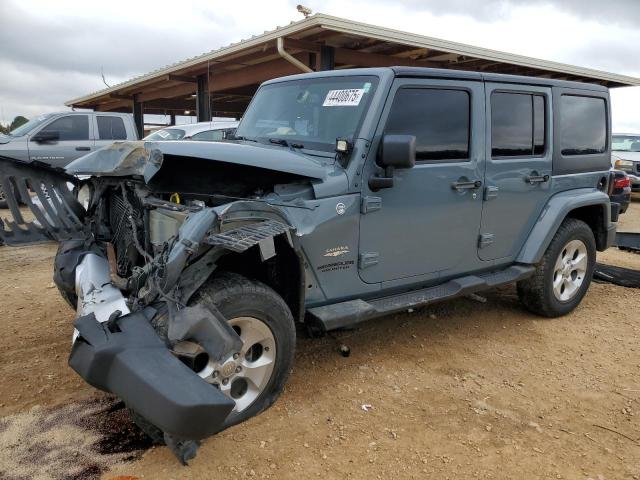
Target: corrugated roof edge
column 372, row 31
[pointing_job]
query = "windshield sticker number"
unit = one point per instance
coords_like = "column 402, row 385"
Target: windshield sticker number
column 349, row 97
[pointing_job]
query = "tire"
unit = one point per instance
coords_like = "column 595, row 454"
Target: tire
column 537, row 293
column 3, row 201
column 235, row 297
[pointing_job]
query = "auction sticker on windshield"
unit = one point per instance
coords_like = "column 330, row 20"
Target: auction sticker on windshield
column 348, row 97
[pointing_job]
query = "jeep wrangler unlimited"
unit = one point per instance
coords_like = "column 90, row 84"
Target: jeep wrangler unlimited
column 344, row 196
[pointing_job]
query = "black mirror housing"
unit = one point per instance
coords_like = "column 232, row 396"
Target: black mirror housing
column 398, row 151
column 44, row 137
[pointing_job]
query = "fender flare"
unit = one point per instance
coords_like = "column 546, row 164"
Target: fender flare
column 554, row 213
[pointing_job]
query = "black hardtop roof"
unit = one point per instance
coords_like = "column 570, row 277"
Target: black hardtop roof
column 423, row 72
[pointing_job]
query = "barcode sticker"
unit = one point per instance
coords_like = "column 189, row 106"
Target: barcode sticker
column 349, row 97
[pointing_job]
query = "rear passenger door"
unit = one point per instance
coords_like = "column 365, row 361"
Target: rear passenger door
column 518, row 169
column 110, row 129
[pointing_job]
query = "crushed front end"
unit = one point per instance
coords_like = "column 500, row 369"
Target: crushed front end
column 132, row 253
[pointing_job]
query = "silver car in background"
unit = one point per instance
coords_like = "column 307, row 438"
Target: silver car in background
column 202, row 131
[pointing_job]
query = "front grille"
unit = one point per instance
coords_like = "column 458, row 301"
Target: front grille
column 121, row 214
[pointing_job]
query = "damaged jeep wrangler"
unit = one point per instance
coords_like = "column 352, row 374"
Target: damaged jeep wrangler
column 344, row 196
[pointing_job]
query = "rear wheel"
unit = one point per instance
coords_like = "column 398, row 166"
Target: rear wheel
column 563, row 276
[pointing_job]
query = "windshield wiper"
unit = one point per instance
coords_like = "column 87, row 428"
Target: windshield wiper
column 284, row 143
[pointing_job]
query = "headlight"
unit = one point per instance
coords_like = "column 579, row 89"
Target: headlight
column 84, row 195
column 624, row 164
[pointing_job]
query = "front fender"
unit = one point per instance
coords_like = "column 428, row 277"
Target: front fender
column 553, row 214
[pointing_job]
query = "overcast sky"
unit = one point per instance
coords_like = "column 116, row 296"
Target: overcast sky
column 53, row 51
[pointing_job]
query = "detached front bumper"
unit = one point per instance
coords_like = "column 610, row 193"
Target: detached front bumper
column 126, row 357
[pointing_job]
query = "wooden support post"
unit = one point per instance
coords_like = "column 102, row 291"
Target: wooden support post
column 327, row 58
column 138, row 116
column 203, row 108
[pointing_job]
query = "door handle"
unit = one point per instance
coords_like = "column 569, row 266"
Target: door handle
column 533, row 179
column 83, row 149
column 466, row 185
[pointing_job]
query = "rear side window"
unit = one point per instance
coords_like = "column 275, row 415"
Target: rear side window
column 111, row 128
column 517, row 124
column 71, row 127
column 438, row 118
column 583, row 125
column 209, row 136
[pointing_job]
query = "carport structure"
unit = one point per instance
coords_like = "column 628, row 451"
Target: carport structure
column 222, row 82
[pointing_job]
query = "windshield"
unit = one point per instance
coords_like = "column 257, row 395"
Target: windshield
column 625, row 143
column 30, row 125
column 310, row 113
column 166, row 134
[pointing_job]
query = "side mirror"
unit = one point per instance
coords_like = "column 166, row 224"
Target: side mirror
column 46, row 136
column 396, row 151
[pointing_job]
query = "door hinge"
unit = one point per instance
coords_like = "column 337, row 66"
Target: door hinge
column 370, row 204
column 368, row 259
column 485, row 240
column 490, row 192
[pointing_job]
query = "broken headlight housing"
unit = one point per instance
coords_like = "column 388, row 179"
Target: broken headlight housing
column 85, row 192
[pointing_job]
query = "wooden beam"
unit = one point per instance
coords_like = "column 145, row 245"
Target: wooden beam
column 254, row 74
column 120, row 96
column 168, row 92
column 180, row 78
column 111, row 106
column 363, row 59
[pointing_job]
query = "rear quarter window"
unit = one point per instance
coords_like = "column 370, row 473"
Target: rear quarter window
column 583, row 125
column 581, row 130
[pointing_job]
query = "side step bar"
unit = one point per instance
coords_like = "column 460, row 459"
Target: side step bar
column 352, row 312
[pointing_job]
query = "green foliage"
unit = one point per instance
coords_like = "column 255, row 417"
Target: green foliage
column 18, row 121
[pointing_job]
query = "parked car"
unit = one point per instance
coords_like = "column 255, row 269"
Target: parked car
column 346, row 195
column 620, row 189
column 625, row 156
column 59, row 138
column 203, row 131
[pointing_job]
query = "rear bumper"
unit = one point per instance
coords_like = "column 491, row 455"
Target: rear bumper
column 126, row 357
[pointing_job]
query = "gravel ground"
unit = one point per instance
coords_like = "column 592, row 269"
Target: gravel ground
column 463, row 389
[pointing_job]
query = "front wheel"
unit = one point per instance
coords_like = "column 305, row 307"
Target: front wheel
column 255, row 377
column 563, row 276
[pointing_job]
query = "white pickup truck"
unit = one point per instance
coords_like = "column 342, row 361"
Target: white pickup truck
column 59, row 138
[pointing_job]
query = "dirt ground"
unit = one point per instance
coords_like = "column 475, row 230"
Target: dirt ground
column 463, row 389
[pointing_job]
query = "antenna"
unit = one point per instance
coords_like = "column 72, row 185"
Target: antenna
column 102, row 75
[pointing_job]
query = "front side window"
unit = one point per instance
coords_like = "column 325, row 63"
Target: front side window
column 583, row 125
column 111, row 128
column 625, row 143
column 313, row 112
column 71, row 127
column 438, row 118
column 517, row 124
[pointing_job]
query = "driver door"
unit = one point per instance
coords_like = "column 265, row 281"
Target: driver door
column 426, row 225
column 75, row 139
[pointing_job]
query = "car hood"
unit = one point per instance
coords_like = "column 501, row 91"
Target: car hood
column 4, row 139
column 633, row 156
column 146, row 158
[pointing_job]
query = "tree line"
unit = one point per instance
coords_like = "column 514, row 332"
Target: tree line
column 18, row 121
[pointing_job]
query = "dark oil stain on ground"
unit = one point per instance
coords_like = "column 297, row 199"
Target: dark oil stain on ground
column 106, row 417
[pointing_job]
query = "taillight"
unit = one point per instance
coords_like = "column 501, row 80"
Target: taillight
column 622, row 182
